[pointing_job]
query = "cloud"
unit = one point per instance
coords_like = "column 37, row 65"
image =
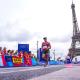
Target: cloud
column 21, row 36
column 62, row 39
column 12, row 32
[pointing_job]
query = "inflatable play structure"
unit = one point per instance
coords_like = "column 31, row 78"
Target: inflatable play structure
column 24, row 58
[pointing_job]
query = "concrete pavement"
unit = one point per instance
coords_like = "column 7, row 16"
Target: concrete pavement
column 71, row 72
column 23, row 73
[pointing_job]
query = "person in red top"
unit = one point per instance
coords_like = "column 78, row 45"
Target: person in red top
column 0, row 51
column 46, row 46
column 4, row 51
column 20, row 54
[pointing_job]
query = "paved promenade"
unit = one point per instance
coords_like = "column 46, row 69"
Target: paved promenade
column 23, row 73
column 70, row 72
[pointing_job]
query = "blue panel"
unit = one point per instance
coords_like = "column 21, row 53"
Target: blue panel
column 34, row 62
column 52, row 62
column 8, row 58
column 23, row 47
column 1, row 63
column 9, row 64
column 9, row 61
column 60, row 62
column 39, row 55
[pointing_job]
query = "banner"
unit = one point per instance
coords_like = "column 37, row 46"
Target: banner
column 39, row 55
column 9, row 61
column 17, row 61
column 27, row 60
column 23, row 47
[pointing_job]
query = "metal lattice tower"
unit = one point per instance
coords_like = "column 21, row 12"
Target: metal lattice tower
column 74, row 51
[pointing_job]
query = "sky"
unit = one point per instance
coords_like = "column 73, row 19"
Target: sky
column 28, row 21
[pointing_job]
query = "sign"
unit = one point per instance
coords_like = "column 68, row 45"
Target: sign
column 9, row 61
column 27, row 60
column 17, row 61
column 8, row 58
column 23, row 47
column 39, row 55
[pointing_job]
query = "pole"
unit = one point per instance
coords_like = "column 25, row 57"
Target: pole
column 54, row 55
column 37, row 47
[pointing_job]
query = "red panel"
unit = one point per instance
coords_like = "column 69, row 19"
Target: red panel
column 27, row 60
column 3, row 59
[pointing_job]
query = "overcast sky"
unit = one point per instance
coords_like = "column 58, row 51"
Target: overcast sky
column 28, row 21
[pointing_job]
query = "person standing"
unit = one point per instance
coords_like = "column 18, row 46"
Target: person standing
column 0, row 51
column 46, row 46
